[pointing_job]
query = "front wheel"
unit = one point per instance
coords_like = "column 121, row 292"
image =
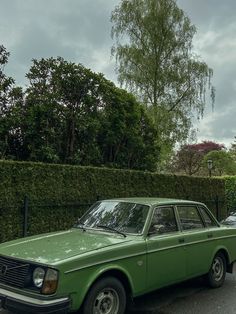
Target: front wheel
column 216, row 274
column 107, row 296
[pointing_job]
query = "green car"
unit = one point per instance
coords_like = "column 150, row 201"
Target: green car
column 119, row 249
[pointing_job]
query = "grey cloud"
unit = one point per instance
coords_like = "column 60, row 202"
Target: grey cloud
column 211, row 13
column 219, row 126
column 215, row 43
column 79, row 31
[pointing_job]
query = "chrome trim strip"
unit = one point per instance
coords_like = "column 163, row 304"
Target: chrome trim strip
column 188, row 244
column 103, row 262
column 149, row 252
column 21, row 297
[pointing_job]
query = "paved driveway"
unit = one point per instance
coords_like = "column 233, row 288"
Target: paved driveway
column 191, row 297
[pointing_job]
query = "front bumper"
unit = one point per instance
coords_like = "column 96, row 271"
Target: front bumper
column 19, row 303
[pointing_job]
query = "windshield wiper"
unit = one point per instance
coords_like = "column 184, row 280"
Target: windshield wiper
column 80, row 225
column 111, row 229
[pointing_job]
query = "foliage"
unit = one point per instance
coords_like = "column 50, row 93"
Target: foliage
column 190, row 158
column 222, row 162
column 10, row 98
column 69, row 114
column 154, row 57
column 49, row 187
column 232, row 149
column 230, row 191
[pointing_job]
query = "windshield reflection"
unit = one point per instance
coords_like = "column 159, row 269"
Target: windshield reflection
column 123, row 216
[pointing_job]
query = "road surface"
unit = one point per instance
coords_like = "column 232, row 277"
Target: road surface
column 192, row 297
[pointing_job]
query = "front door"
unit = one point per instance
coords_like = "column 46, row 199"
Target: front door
column 166, row 259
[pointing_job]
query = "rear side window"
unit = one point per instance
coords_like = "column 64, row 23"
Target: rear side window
column 189, row 217
column 209, row 222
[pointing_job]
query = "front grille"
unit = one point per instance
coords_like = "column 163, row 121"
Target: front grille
column 13, row 272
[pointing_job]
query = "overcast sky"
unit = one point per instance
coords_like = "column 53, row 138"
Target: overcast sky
column 79, row 31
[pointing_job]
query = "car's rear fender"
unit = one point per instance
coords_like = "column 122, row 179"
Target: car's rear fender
column 224, row 251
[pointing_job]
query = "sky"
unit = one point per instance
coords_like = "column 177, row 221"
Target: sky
column 79, row 31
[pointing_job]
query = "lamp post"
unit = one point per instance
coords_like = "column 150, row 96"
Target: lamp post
column 209, row 166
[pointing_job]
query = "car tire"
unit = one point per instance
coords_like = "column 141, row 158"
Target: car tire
column 216, row 275
column 106, row 296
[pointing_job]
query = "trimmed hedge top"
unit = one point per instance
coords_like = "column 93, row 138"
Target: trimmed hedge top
column 54, row 186
column 64, row 183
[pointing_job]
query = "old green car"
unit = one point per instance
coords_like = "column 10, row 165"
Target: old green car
column 119, row 249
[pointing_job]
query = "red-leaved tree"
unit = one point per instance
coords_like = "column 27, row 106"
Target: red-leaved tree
column 188, row 158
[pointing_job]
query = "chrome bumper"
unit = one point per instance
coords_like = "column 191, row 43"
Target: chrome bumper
column 21, row 303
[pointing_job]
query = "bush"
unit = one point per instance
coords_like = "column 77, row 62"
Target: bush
column 60, row 193
column 230, row 192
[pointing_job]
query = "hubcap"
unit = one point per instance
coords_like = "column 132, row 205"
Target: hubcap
column 217, row 269
column 106, row 302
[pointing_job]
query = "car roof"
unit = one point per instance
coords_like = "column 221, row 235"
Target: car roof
column 153, row 201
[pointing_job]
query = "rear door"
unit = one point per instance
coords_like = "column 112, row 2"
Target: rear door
column 198, row 238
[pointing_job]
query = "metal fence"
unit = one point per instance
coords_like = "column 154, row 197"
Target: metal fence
column 64, row 215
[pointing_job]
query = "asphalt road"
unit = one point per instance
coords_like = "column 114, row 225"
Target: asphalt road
column 192, row 297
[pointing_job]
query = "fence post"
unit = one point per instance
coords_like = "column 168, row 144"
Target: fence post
column 217, row 206
column 25, row 221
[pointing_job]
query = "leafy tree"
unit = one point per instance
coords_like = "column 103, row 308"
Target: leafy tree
column 64, row 97
column 128, row 137
column 11, row 98
column 222, row 161
column 232, row 149
column 154, row 57
column 190, row 158
column 69, row 114
column 76, row 116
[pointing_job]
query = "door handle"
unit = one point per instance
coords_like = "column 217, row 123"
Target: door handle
column 181, row 240
column 210, row 235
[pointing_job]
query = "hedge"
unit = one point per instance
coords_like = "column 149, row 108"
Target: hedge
column 60, row 193
column 230, row 191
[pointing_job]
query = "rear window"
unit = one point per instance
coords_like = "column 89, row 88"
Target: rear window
column 209, row 222
column 189, row 217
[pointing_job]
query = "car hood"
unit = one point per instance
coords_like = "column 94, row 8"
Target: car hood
column 54, row 247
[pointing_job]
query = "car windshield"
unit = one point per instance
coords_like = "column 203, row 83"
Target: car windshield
column 120, row 216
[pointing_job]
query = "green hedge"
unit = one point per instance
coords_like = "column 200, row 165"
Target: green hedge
column 52, row 188
column 230, row 191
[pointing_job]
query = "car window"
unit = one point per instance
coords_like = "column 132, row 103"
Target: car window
column 122, row 216
column 189, row 217
column 209, row 222
column 163, row 221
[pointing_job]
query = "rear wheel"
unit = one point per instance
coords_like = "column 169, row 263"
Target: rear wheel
column 107, row 296
column 216, row 275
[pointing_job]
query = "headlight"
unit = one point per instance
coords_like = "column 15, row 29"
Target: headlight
column 38, row 277
column 50, row 282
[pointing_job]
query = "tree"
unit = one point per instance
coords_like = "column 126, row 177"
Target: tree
column 222, row 161
column 232, row 149
column 76, row 116
column 11, row 98
column 127, row 137
column 64, row 97
column 190, row 158
column 154, row 57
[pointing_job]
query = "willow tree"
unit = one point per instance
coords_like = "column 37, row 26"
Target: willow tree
column 11, row 98
column 153, row 50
